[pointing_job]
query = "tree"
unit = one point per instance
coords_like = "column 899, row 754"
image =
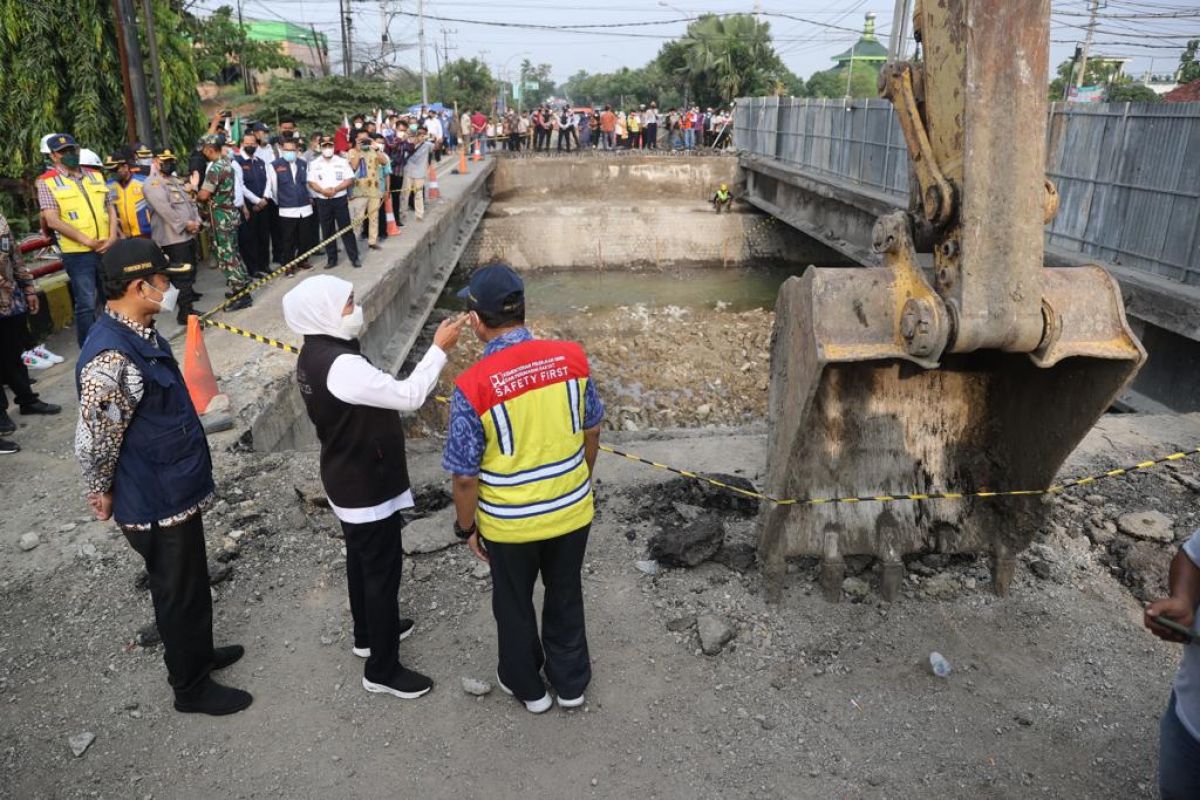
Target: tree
column 321, row 104
column 1189, row 67
column 51, row 82
column 221, row 43
column 1131, row 93
column 725, row 57
column 470, row 84
column 1099, row 72
column 862, row 82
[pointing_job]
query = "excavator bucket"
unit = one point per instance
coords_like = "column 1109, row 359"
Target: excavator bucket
column 979, row 373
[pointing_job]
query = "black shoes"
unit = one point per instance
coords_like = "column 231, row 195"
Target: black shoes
column 356, row 264
column 406, row 684
column 8, row 447
column 6, row 423
column 224, row 656
column 245, row 301
column 40, row 407
column 330, row 264
column 212, row 698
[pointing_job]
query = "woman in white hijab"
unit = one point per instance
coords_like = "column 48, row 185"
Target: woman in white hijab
column 354, row 406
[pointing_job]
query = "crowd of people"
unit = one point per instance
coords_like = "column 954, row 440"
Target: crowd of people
column 574, row 128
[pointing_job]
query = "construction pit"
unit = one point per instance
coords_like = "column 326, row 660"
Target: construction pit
column 702, row 689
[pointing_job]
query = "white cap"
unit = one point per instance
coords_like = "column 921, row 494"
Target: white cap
column 45, row 148
column 89, row 158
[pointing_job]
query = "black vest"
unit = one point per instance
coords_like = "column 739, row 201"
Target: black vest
column 254, row 174
column 291, row 193
column 362, row 448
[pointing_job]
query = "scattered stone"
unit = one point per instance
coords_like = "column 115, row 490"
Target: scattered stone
column 941, row 586
column 680, row 623
column 312, row 494
column 1040, row 568
column 218, row 572
column 765, row 722
column 1023, row 720
column 28, row 541
column 629, row 425
column 739, row 557
column 703, row 410
column 66, row 527
column 1096, row 500
column 1145, row 570
column 430, row 534
column 476, row 687
column 422, row 572
column 88, row 550
column 688, row 544
column 856, row 588
column 148, row 636
column 80, row 742
column 689, row 512
column 481, row 571
column 1153, row 526
column 647, row 566
column 715, row 632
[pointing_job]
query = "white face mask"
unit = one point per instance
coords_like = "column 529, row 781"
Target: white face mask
column 169, row 298
column 327, row 152
column 352, row 323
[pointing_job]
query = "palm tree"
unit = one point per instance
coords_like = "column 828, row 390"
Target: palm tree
column 729, row 54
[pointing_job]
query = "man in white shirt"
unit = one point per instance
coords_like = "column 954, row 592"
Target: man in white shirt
column 254, row 234
column 354, row 407
column 437, row 134
column 288, row 178
column 329, row 177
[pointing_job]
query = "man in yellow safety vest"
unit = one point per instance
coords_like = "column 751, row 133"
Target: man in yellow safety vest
column 75, row 204
column 523, row 438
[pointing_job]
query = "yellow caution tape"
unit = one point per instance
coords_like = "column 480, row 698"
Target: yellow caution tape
column 1057, row 488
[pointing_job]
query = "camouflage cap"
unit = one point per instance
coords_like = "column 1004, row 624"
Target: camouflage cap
column 211, row 140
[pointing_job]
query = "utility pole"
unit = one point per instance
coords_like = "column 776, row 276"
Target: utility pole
column 899, row 36
column 134, row 74
column 242, row 52
column 1087, row 44
column 342, row 27
column 164, row 128
column 383, row 31
column 421, row 44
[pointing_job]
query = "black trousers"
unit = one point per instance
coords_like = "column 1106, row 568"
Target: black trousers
column 254, row 241
column 178, row 254
column 562, row 648
column 14, row 340
column 374, row 561
column 178, row 568
column 650, row 136
column 276, row 233
column 334, row 213
column 296, row 235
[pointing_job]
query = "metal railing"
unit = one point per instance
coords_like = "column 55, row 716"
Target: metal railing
column 1128, row 174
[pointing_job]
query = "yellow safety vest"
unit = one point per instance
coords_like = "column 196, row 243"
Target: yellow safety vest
column 133, row 212
column 534, row 483
column 85, row 210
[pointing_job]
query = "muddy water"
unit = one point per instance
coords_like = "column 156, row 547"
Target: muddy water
column 553, row 293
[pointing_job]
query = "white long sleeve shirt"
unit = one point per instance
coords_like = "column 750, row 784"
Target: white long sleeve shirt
column 352, row 379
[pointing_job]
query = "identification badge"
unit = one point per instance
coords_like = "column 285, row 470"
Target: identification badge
column 5, row 244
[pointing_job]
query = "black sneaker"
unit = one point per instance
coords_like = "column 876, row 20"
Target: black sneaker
column 406, row 629
column 6, row 423
column 40, row 407
column 8, row 447
column 212, row 698
column 245, row 301
column 356, row 264
column 407, row 685
column 225, row 656
column 330, row 265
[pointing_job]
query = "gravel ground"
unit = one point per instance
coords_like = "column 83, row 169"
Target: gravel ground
column 1055, row 690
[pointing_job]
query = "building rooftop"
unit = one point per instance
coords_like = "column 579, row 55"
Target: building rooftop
column 867, row 48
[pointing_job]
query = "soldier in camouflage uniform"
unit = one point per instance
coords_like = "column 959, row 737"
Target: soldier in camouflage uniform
column 219, row 191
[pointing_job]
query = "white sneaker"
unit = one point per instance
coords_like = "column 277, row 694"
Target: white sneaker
column 361, row 652
column 34, row 361
column 573, row 703
column 538, row 706
column 41, row 351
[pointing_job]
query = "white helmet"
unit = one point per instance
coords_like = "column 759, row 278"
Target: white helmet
column 45, row 148
column 89, row 158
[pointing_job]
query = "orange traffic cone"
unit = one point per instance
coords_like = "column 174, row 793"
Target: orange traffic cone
column 392, row 228
column 431, row 185
column 197, row 369
column 477, row 156
column 462, row 161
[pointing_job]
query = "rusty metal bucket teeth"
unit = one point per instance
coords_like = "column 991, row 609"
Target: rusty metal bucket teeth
column 852, row 412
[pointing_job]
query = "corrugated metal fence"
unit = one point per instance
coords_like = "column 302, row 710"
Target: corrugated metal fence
column 1128, row 174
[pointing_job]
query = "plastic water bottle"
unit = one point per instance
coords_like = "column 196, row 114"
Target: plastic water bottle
column 939, row 665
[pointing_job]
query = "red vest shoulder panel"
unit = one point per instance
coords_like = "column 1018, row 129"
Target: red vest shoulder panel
column 521, row 368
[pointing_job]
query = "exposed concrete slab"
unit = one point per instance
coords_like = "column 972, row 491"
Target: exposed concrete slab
column 397, row 287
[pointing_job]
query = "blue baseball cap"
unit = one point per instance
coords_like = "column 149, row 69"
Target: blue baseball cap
column 61, row 141
column 494, row 289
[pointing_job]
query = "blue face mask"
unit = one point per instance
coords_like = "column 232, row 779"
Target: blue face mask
column 289, row 155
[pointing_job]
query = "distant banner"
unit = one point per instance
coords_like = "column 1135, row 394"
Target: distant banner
column 1086, row 94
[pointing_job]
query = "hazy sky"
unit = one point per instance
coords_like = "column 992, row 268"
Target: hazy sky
column 1141, row 29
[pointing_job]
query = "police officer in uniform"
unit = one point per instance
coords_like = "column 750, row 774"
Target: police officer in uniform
column 146, row 465
column 174, row 226
column 219, row 190
column 523, row 437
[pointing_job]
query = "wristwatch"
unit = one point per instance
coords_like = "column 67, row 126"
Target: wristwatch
column 464, row 533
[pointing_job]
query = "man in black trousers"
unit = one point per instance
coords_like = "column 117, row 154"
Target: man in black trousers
column 146, row 464
column 330, row 178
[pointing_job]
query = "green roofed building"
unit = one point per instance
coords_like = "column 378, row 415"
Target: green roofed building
column 309, row 48
column 867, row 50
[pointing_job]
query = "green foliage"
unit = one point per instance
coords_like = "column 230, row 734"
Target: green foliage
column 1098, row 73
column 52, row 82
column 1189, row 67
column 469, row 83
column 635, row 86
column 862, row 81
column 220, row 43
column 540, row 75
column 1132, row 93
column 320, row 104
column 724, row 57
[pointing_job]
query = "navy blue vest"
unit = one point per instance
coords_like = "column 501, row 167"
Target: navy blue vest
column 164, row 467
column 291, row 193
column 254, row 174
